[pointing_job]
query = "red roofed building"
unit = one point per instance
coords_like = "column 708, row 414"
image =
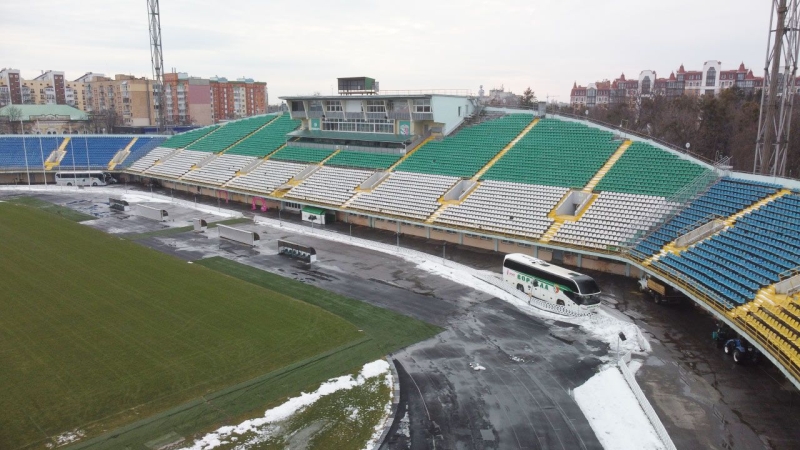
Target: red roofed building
column 709, row 81
column 577, row 96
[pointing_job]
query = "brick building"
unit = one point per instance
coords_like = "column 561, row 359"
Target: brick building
column 235, row 99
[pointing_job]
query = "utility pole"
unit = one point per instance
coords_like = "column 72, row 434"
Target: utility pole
column 157, row 61
column 777, row 96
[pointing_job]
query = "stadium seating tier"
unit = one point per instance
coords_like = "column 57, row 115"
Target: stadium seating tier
column 555, row 153
column 266, row 140
column 183, row 140
column 363, row 160
column 229, row 134
column 466, row 152
column 648, row 170
column 302, row 154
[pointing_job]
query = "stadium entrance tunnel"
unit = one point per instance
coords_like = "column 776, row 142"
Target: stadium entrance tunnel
column 573, row 205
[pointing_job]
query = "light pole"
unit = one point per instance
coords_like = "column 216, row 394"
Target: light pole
column 351, row 230
column 444, row 248
column 398, row 240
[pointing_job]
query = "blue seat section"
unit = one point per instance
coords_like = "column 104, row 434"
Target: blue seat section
column 93, row 152
column 726, row 197
column 141, row 147
column 752, row 254
column 12, row 154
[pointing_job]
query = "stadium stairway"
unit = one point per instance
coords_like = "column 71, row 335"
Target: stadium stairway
column 322, row 163
column 672, row 247
column 607, row 166
column 409, row 153
column 559, row 220
column 505, row 150
column 58, row 154
column 448, row 203
column 122, row 154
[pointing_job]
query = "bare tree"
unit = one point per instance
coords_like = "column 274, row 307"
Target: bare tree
column 14, row 117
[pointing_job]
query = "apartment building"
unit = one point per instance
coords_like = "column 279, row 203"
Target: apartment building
column 188, row 100
column 235, row 99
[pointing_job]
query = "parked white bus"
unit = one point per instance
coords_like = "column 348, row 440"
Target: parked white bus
column 550, row 283
column 83, row 178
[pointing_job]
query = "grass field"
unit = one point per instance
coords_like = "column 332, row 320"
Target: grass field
column 96, row 331
column 99, row 332
column 62, row 211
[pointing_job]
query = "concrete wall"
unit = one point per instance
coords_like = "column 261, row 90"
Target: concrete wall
column 446, row 111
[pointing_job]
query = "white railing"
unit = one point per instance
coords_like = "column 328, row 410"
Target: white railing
column 646, row 406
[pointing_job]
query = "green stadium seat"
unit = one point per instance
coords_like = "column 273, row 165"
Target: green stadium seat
column 266, row 140
column 365, row 160
column 302, row 154
column 466, row 152
column 648, row 170
column 555, row 153
column 230, row 133
column 184, row 139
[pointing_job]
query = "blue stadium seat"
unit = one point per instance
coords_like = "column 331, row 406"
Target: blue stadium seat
column 93, row 152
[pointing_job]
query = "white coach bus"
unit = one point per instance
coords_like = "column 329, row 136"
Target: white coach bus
column 550, row 283
column 83, row 178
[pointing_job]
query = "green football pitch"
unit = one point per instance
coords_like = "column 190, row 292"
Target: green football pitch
column 98, row 332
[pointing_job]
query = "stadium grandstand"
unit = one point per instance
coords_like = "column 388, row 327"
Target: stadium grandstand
column 442, row 167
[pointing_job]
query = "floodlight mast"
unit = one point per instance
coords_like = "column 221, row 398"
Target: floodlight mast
column 777, row 96
column 157, row 61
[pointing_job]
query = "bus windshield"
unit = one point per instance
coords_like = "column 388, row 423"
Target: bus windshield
column 587, row 285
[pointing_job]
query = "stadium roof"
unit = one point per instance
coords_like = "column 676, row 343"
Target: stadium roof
column 362, row 137
column 32, row 112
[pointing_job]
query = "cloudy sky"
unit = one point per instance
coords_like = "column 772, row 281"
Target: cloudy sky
column 300, row 47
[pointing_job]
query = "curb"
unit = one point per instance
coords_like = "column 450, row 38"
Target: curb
column 388, row 421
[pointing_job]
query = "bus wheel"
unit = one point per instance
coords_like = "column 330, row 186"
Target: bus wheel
column 94, row 184
column 69, row 184
column 560, row 302
column 520, row 288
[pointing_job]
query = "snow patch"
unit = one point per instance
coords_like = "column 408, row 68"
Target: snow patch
column 614, row 413
column 67, row 438
column 377, row 431
column 292, row 406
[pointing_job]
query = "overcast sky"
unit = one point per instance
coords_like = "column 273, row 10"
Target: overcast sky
column 299, row 47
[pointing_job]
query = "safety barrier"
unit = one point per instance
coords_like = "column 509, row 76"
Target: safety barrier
column 237, row 235
column 151, row 213
column 646, row 406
